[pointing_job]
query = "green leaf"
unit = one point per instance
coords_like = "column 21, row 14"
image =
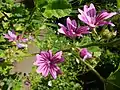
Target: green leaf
column 118, row 4
column 114, row 80
column 96, row 50
column 85, row 40
column 57, row 8
column 41, row 3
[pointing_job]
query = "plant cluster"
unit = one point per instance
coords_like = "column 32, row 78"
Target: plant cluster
column 57, row 45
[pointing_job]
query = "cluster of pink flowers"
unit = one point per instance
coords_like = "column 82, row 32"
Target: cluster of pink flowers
column 87, row 15
column 46, row 61
column 17, row 39
column 72, row 30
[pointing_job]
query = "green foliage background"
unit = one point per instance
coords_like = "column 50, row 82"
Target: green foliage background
column 41, row 22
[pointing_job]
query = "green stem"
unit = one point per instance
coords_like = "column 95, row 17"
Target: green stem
column 90, row 67
column 118, row 4
column 109, row 44
column 94, row 71
column 30, row 18
column 112, row 84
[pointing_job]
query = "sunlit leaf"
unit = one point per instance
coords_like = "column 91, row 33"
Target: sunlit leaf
column 114, row 78
column 57, row 8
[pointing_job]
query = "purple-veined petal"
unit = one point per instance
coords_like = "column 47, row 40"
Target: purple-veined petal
column 104, row 15
column 101, row 23
column 41, row 68
column 74, row 23
column 53, row 71
column 83, row 30
column 92, row 11
column 12, row 35
column 45, row 55
column 8, row 37
column 58, row 70
column 68, row 23
column 110, row 15
column 50, row 54
column 39, row 60
column 84, row 17
column 57, row 58
column 45, row 71
column 57, row 55
column 39, row 63
column 62, row 29
column 70, row 34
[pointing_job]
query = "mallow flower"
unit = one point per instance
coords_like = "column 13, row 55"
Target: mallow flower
column 47, row 63
column 85, row 54
column 88, row 15
column 17, row 39
column 11, row 36
column 71, row 29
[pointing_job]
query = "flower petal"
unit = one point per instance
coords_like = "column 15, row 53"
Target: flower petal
column 101, row 23
column 45, row 71
column 83, row 30
column 74, row 23
column 53, row 71
column 57, row 58
column 86, row 19
column 104, row 15
column 68, row 22
column 50, row 54
column 62, row 29
column 21, row 45
column 11, row 34
column 85, row 8
column 41, row 68
column 8, row 37
column 91, row 11
column 85, row 16
column 110, row 15
column 85, row 54
column 39, row 60
column 45, row 55
column 24, row 39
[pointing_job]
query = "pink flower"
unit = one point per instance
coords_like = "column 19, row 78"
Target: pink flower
column 88, row 16
column 85, row 54
column 21, row 39
column 18, row 39
column 11, row 36
column 21, row 45
column 46, row 63
column 71, row 30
